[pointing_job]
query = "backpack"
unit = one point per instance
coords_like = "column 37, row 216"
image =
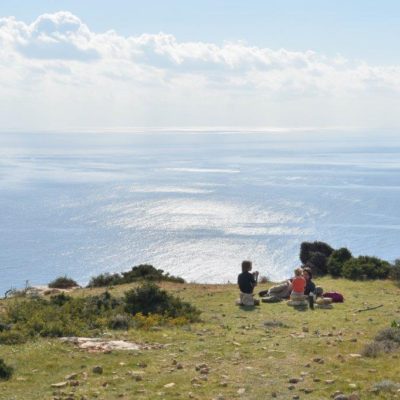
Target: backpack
column 336, row 297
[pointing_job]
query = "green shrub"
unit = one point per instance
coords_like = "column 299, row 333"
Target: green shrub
column 386, row 341
column 307, row 248
column 366, row 267
column 104, row 280
column 11, row 337
column 395, row 271
column 392, row 334
column 150, row 299
column 120, row 321
column 143, row 272
column 5, row 370
column 315, row 256
column 62, row 282
column 63, row 315
column 317, row 262
column 336, row 261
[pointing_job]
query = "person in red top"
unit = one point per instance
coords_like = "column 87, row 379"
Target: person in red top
column 298, row 283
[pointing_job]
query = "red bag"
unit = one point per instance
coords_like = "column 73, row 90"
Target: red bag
column 336, row 297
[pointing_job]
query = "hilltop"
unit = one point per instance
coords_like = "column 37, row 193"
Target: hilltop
column 265, row 352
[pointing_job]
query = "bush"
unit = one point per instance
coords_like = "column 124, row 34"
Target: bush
column 150, row 299
column 5, row 370
column 386, row 341
column 120, row 321
column 315, row 256
column 395, row 271
column 391, row 334
column 62, row 282
column 104, row 280
column 317, row 262
column 364, row 266
column 12, row 337
column 143, row 272
column 307, row 248
column 336, row 261
column 63, row 315
column 387, row 386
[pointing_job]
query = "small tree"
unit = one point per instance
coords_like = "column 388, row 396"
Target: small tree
column 364, row 266
column 63, row 282
column 308, row 248
column 336, row 261
column 317, row 262
column 150, row 299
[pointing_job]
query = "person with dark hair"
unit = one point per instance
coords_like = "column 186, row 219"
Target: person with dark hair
column 247, row 281
column 310, row 285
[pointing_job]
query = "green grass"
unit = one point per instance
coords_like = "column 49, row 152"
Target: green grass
column 240, row 351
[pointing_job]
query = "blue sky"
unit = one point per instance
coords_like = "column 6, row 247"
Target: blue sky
column 364, row 29
column 100, row 64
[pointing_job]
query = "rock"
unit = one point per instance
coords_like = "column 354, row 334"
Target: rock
column 179, row 366
column 294, row 380
column 241, row 391
column 336, row 393
column 352, row 386
column 355, row 355
column 329, row 381
column 59, row 385
column 341, row 397
column 296, row 397
column 223, row 384
column 308, row 390
column 198, row 367
column 318, row 360
column 169, row 385
column 71, row 377
column 204, row 371
column 204, row 377
column 97, row 369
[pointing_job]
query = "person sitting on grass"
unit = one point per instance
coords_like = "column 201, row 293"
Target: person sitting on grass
column 297, row 297
column 310, row 285
column 298, row 282
column 247, row 281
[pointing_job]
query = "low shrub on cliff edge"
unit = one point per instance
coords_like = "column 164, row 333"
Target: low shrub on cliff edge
column 143, row 272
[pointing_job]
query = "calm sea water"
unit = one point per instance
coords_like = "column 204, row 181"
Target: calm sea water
column 194, row 205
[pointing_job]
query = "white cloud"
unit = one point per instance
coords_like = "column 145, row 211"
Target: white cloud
column 56, row 73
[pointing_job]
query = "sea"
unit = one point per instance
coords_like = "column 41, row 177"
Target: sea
column 193, row 203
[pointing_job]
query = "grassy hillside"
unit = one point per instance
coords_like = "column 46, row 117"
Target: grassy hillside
column 248, row 354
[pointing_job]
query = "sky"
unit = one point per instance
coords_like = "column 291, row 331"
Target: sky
column 102, row 65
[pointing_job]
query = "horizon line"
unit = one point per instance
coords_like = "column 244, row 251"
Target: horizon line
column 192, row 129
